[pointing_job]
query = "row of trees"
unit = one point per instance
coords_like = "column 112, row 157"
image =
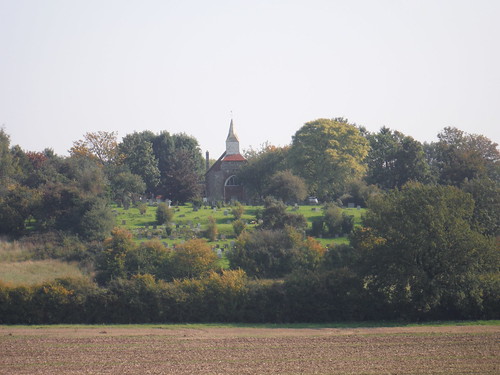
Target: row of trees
column 330, row 159
column 422, row 253
column 427, row 248
column 338, row 160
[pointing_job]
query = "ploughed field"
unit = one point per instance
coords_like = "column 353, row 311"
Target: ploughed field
column 215, row 350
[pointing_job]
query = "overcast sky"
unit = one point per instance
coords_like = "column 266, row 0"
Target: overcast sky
column 68, row 67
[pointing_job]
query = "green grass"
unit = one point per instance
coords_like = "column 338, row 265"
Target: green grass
column 35, row 272
column 185, row 216
column 14, row 251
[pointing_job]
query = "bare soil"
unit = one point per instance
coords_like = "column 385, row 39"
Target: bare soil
column 208, row 350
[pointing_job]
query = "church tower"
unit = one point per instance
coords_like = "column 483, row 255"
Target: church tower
column 221, row 182
column 232, row 141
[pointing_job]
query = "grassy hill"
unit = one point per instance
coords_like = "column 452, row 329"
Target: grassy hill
column 188, row 221
column 18, row 267
column 37, row 271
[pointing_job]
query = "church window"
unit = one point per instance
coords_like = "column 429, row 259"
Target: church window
column 232, row 181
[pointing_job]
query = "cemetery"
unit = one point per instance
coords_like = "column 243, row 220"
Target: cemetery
column 190, row 222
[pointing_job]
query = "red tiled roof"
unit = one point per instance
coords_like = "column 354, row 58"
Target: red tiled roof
column 234, row 157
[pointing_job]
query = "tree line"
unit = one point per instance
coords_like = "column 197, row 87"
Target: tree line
column 427, row 247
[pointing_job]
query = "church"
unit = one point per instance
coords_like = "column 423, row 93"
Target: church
column 221, row 183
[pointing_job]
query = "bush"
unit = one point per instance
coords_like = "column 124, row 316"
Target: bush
column 275, row 216
column 212, row 231
column 237, row 210
column 274, row 253
column 333, row 219
column 164, row 214
column 193, row 258
column 238, row 227
column 143, row 207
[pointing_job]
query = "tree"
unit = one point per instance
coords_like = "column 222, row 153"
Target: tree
column 421, row 254
column 163, row 149
column 126, row 186
column 394, row 159
column 191, row 147
column 96, row 222
column 63, row 206
column 328, row 154
column 6, row 163
column 486, row 195
column 275, row 216
column 458, row 156
column 261, row 165
column 180, row 164
column 17, row 204
column 111, row 262
column 138, row 155
column 151, row 258
column 181, row 183
column 286, row 186
column 164, row 214
column 274, row 253
column 101, row 146
column 193, row 258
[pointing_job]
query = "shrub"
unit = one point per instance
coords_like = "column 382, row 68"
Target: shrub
column 275, row 216
column 164, row 214
column 237, row 210
column 274, row 253
column 143, row 207
column 193, row 258
column 212, row 231
column 238, row 227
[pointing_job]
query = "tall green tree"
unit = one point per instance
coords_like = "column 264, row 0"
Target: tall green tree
column 181, row 183
column 328, row 154
column 191, row 146
column 65, row 207
column 126, row 187
column 394, row 159
column 422, row 255
column 286, row 186
column 261, row 165
column 138, row 155
column 17, row 204
column 458, row 156
column 486, row 195
column 111, row 263
column 6, row 164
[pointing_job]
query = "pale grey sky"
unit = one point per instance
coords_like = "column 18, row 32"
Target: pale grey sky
column 68, row 67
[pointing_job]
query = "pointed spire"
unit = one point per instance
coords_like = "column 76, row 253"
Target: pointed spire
column 232, row 141
column 232, row 137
